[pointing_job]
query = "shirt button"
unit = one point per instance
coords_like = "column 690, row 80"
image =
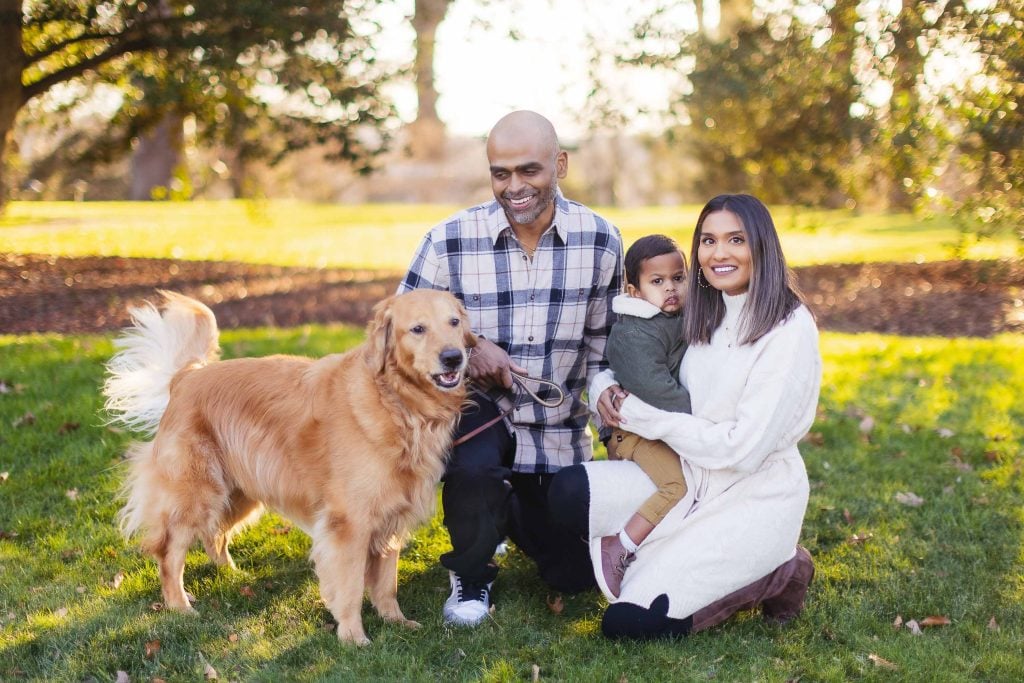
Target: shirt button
column 524, row 257
column 531, row 297
column 530, row 338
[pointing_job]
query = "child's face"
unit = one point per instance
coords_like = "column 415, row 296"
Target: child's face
column 662, row 279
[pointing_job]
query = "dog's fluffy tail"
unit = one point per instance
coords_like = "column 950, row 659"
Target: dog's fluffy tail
column 151, row 352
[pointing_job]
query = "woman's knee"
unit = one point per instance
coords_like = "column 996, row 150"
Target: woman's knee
column 569, row 499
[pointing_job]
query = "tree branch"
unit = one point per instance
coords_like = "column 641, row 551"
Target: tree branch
column 57, row 47
column 43, row 84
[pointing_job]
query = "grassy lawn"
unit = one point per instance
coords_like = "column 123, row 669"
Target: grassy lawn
column 938, row 419
column 296, row 233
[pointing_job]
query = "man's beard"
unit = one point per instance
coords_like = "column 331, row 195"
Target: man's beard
column 545, row 198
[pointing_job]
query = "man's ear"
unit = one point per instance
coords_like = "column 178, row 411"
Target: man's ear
column 379, row 336
column 561, row 163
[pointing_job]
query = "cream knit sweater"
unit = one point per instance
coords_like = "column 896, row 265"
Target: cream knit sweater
column 748, row 488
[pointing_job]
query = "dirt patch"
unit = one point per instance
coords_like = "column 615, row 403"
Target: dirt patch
column 41, row 293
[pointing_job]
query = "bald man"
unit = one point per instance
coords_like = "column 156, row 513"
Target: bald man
column 537, row 274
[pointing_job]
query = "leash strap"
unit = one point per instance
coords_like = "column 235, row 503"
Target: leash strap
column 519, row 384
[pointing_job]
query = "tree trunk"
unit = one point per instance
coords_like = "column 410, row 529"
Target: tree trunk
column 733, row 14
column 156, row 158
column 427, row 133
column 11, row 94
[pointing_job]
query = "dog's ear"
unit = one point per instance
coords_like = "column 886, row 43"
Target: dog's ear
column 379, row 335
column 469, row 336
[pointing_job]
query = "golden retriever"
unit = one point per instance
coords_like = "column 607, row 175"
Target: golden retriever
column 350, row 447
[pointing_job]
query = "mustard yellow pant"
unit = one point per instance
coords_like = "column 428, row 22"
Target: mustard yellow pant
column 660, row 463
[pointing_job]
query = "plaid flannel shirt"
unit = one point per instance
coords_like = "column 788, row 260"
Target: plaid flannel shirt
column 551, row 313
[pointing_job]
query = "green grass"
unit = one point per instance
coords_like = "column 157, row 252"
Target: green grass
column 384, row 236
column 948, row 426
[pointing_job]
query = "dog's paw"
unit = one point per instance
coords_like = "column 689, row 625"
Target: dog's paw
column 353, row 636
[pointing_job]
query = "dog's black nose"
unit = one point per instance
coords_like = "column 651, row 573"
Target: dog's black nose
column 451, row 358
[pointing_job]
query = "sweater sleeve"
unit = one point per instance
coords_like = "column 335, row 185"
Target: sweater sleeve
column 639, row 359
column 777, row 407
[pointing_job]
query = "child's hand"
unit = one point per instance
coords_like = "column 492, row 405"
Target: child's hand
column 608, row 405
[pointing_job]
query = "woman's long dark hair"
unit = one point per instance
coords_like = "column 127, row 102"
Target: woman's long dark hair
column 772, row 294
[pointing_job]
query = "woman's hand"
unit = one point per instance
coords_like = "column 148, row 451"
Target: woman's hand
column 490, row 366
column 608, row 405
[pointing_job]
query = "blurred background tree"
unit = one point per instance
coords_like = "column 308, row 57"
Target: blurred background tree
column 897, row 104
column 257, row 79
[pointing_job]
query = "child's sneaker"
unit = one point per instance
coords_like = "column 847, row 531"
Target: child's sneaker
column 614, row 560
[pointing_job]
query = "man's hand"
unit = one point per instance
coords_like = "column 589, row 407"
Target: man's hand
column 490, row 366
column 608, row 404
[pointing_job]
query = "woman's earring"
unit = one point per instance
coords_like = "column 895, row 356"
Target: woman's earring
column 701, row 280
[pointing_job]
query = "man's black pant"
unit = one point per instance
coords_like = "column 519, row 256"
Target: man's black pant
column 484, row 502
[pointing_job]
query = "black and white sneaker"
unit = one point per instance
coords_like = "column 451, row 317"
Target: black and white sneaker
column 468, row 603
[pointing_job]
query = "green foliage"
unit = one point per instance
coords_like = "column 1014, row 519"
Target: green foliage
column 770, row 114
column 991, row 148
column 947, row 427
column 262, row 79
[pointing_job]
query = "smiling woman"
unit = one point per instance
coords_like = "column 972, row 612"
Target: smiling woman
column 724, row 253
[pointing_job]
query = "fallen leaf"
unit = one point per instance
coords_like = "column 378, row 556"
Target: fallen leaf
column 26, row 419
column 61, row 612
column 847, row 516
column 156, row 606
column 4, row 476
column 8, row 534
column 898, row 622
column 936, row 621
column 961, row 465
column 945, row 433
column 905, row 428
column 280, row 530
column 122, row 677
column 992, row 625
column 68, row 427
column 80, row 589
column 867, row 425
column 556, row 605
column 152, row 648
column 534, row 673
column 883, row 663
column 859, row 538
column 115, row 582
column 233, row 638
column 247, row 591
column 72, row 494
column 910, row 499
column 914, row 627
column 157, row 680
column 115, row 430
column 814, row 438
column 209, row 673
column 991, row 456
column 5, row 388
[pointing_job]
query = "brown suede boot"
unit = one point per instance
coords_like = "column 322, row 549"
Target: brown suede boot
column 790, row 602
column 781, row 593
column 614, row 560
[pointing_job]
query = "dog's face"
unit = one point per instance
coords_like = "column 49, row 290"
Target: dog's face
column 425, row 334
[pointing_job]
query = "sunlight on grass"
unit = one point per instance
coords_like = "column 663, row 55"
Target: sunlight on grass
column 946, row 424
column 384, row 236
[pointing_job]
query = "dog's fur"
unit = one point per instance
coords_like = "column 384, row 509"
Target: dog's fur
column 350, row 447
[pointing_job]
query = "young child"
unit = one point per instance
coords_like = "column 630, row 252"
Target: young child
column 644, row 349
